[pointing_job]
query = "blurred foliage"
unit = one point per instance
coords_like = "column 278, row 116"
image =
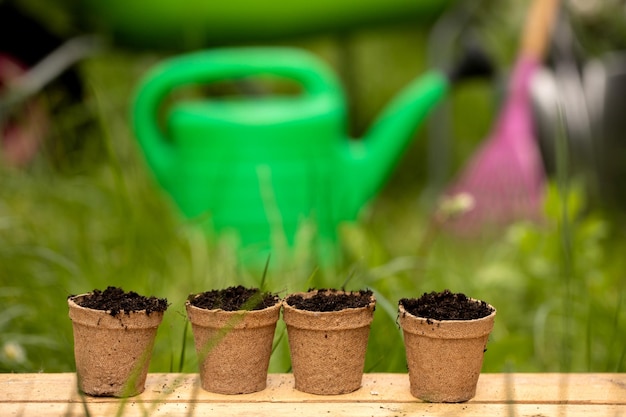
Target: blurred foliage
column 599, row 25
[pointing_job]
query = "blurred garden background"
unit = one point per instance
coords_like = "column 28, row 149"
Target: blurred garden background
column 83, row 212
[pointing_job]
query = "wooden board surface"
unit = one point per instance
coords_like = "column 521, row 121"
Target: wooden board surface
column 381, row 395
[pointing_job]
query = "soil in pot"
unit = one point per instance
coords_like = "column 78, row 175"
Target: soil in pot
column 330, row 300
column 328, row 332
column 234, row 298
column 233, row 333
column 445, row 337
column 115, row 300
column 114, row 333
column 446, row 305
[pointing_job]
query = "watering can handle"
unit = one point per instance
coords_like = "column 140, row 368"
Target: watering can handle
column 215, row 65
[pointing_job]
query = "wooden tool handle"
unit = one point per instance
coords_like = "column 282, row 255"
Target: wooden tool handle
column 538, row 27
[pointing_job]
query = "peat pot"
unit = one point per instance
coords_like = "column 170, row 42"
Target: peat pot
column 328, row 347
column 112, row 349
column 445, row 357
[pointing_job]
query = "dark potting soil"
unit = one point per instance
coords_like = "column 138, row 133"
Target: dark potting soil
column 331, row 300
column 116, row 300
column 233, row 299
column 446, row 305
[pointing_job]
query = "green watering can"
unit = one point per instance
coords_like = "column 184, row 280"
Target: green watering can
column 261, row 163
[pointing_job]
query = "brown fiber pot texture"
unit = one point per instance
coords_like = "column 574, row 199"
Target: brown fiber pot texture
column 328, row 348
column 444, row 356
column 112, row 353
column 233, row 347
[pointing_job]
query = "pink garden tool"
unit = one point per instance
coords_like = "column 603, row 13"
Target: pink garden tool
column 504, row 180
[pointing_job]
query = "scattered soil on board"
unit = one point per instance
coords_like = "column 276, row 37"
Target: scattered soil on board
column 233, row 299
column 116, row 300
column 446, row 305
column 331, row 300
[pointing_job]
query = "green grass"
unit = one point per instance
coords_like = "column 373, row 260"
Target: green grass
column 96, row 219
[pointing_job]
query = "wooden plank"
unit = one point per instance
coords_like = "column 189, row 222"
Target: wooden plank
column 377, row 388
column 585, row 388
column 345, row 409
column 516, row 395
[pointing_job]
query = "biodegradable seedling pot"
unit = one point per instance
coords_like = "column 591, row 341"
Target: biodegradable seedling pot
column 328, row 347
column 445, row 353
column 233, row 331
column 114, row 334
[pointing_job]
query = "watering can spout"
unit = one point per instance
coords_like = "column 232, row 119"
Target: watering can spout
column 372, row 159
